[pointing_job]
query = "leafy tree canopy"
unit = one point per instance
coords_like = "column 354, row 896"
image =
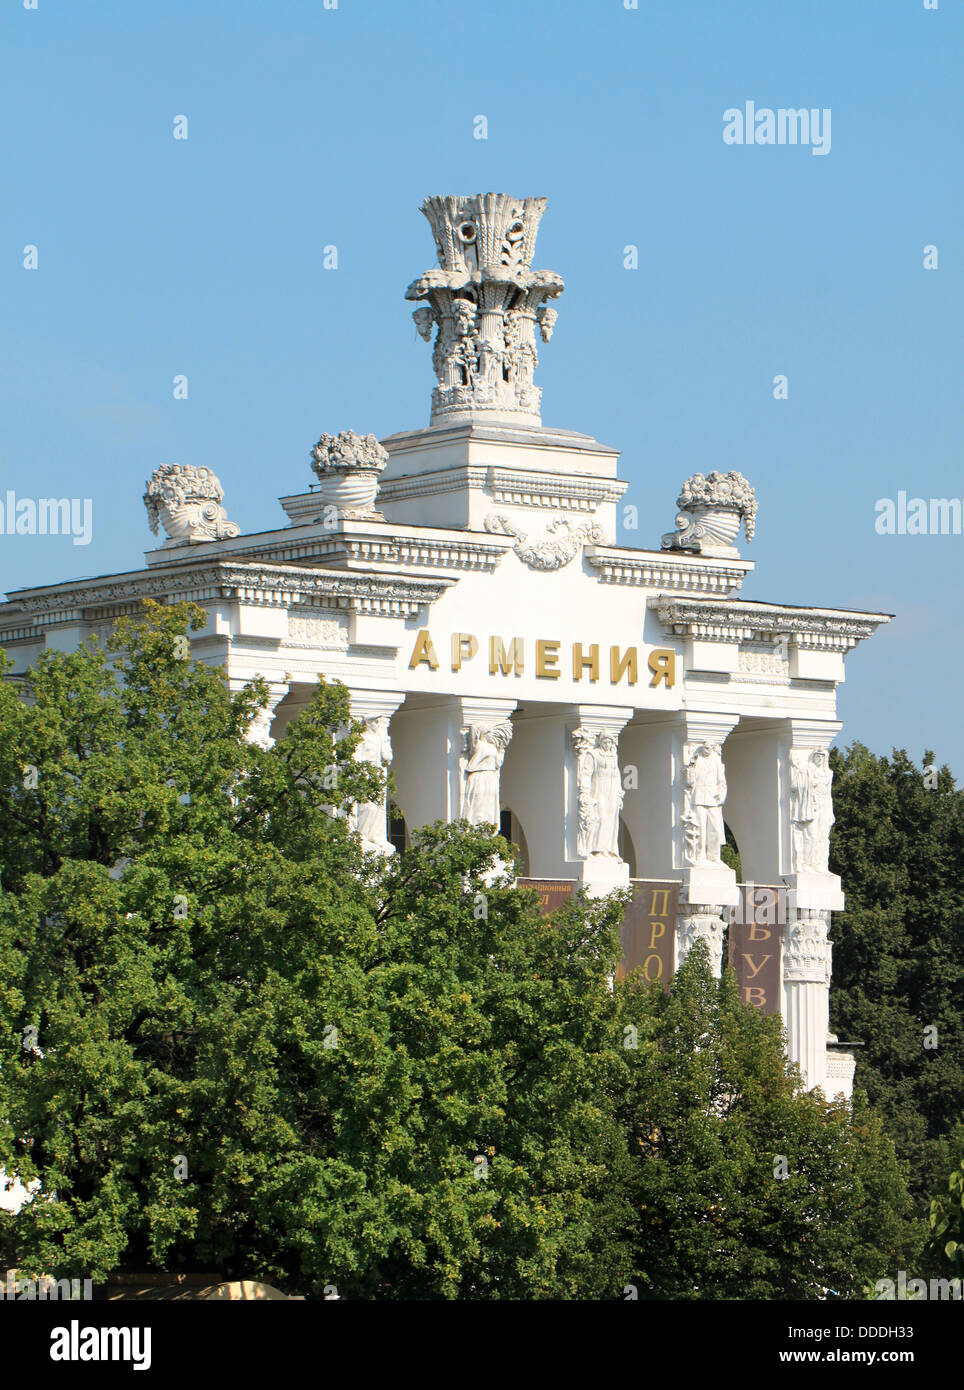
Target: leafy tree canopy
column 230, row 1041
column 898, row 965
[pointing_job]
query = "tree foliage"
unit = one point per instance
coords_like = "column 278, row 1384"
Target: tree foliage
column 230, row 1041
column 898, row 966
column 746, row 1185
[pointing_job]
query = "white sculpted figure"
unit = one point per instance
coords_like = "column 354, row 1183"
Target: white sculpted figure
column 607, row 793
column 368, row 817
column 811, row 809
column 480, row 797
column 703, row 806
column 600, row 793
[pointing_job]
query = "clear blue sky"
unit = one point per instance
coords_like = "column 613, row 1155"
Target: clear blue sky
column 310, row 127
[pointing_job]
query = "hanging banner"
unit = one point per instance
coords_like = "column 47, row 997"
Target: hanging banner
column 649, row 931
column 753, row 944
column 553, row 892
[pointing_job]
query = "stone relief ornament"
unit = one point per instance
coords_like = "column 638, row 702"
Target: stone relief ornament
column 486, row 748
column 703, row 798
column 369, row 817
column 699, row 922
column 486, row 302
column 599, row 793
column 811, row 810
column 348, row 465
column 560, row 542
column 807, row 951
column 186, row 500
column 711, row 509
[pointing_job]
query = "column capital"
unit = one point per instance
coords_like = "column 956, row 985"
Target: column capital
column 812, row 733
column 702, row 726
column 368, row 703
column 609, row 719
column 259, row 730
column 807, row 950
column 483, row 709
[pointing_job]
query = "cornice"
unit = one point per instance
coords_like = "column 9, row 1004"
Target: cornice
column 811, row 629
column 557, row 491
column 211, row 581
column 657, row 569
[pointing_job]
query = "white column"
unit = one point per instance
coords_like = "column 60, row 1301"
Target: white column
column 432, row 746
column 658, row 751
column 709, row 885
column 814, row 892
column 806, row 993
column 375, row 708
column 773, row 791
column 802, row 785
column 594, row 797
column 475, row 719
column 259, row 730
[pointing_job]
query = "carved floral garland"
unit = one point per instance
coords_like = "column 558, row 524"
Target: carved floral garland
column 557, row 546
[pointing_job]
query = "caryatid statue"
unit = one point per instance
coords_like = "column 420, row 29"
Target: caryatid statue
column 368, row 817
column 704, row 795
column 811, row 810
column 481, row 770
column 600, row 793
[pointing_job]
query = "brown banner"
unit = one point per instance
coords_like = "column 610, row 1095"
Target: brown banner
column 553, row 892
column 649, row 931
column 753, row 948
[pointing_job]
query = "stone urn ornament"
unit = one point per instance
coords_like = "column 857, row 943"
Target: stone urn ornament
column 348, row 465
column 186, row 501
column 711, row 510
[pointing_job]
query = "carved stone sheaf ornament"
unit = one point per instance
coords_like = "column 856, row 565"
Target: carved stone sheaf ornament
column 487, row 304
column 186, row 500
column 348, row 465
column 557, row 546
column 711, row 509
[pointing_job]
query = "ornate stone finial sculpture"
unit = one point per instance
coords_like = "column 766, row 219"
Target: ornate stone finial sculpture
column 348, row 465
column 368, row 817
column 186, row 500
column 703, row 798
column 486, row 301
column 811, row 810
column 600, row 793
column 487, row 744
column 711, row 509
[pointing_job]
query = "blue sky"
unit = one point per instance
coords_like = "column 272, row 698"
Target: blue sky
column 310, row 126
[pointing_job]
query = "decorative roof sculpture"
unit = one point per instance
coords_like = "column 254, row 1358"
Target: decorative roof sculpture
column 485, row 303
column 186, row 500
column 711, row 509
column 348, row 465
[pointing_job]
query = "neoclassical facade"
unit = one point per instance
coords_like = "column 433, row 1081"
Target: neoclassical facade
column 622, row 712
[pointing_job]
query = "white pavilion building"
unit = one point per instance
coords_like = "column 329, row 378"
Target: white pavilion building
column 614, row 709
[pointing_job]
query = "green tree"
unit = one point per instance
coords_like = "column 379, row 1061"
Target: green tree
column 745, row 1185
column 946, row 1221
column 232, row 1042
column 898, row 967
